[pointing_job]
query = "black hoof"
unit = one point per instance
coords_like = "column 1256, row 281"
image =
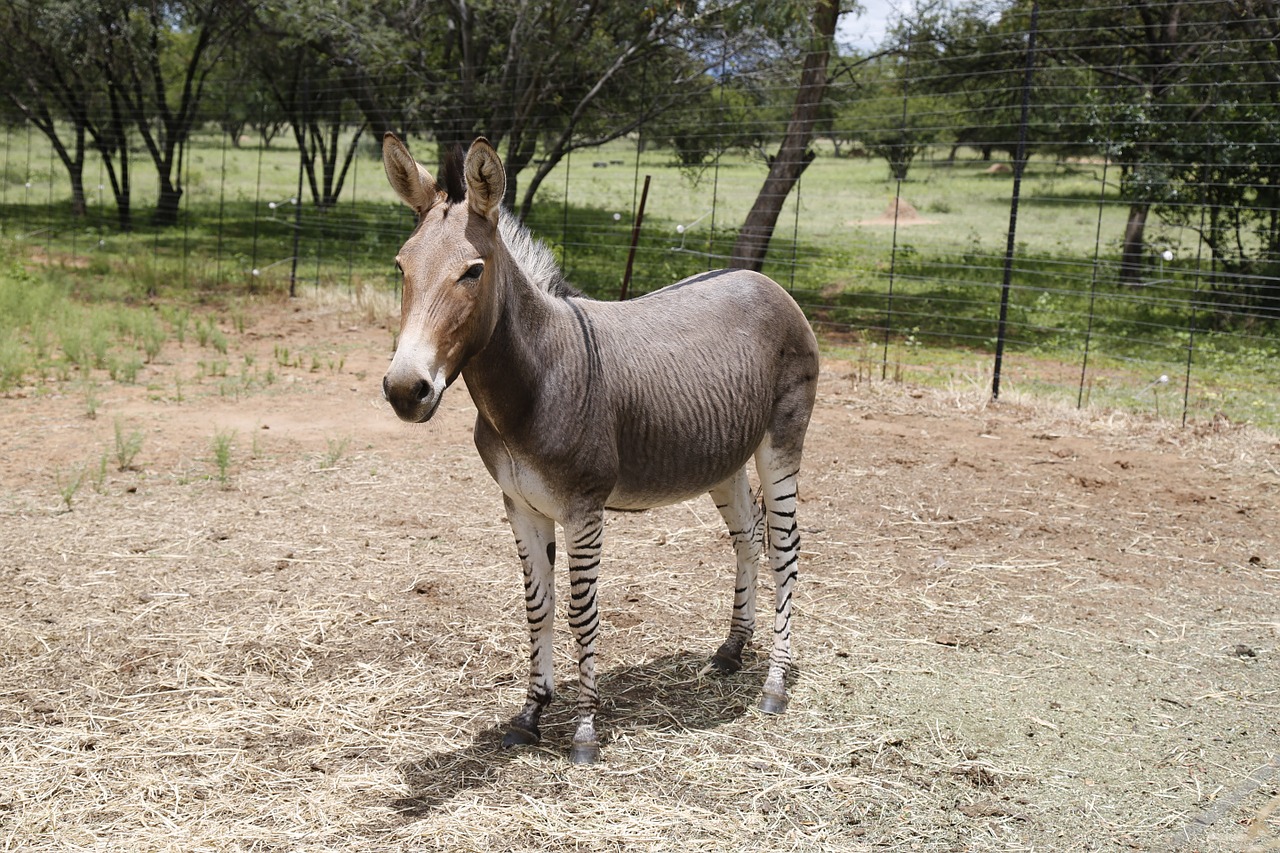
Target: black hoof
column 727, row 659
column 518, row 735
column 773, row 703
column 584, row 753
column 725, row 664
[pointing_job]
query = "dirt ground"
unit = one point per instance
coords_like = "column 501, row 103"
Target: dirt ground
column 1018, row 627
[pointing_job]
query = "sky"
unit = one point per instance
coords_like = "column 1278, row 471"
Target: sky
column 865, row 30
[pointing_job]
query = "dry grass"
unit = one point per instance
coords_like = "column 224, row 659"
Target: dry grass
column 1019, row 627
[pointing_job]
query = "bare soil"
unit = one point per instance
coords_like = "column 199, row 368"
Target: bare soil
column 1018, row 627
column 899, row 212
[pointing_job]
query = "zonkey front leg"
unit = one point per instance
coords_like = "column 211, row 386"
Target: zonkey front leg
column 536, row 545
column 745, row 520
column 584, row 536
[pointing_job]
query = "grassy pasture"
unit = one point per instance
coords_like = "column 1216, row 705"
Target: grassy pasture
column 917, row 299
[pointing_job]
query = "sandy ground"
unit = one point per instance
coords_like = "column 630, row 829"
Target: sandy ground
column 1018, row 627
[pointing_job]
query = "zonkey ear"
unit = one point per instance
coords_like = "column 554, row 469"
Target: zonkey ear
column 412, row 183
column 486, row 179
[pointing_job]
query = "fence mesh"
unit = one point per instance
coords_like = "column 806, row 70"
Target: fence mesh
column 1081, row 202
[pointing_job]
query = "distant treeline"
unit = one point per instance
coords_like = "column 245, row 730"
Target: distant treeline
column 1179, row 99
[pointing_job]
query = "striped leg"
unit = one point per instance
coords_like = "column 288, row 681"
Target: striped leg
column 778, row 475
column 745, row 519
column 584, row 537
column 536, row 544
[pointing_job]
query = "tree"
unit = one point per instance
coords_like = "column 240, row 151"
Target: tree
column 962, row 71
column 1143, row 54
column 745, row 120
column 538, row 78
column 793, row 155
column 239, row 102
column 1230, row 168
column 1258, row 22
column 574, row 77
column 47, row 72
column 1181, row 96
column 634, row 69
column 157, row 58
column 966, row 66
column 888, row 116
column 311, row 97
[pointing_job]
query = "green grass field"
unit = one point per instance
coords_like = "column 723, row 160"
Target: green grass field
column 917, row 300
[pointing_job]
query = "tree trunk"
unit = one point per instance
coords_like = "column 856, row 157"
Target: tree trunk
column 346, row 164
column 794, row 155
column 233, row 127
column 112, row 140
column 519, row 154
column 1134, row 249
column 73, row 158
column 167, row 205
column 329, row 161
column 74, row 164
column 120, row 186
column 123, row 193
column 78, row 206
column 75, row 169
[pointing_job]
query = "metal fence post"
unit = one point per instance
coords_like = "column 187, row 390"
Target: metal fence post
column 1019, row 165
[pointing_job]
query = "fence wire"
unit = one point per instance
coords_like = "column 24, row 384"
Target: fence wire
column 1062, row 202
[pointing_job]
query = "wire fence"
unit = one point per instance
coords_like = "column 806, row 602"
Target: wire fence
column 1067, row 210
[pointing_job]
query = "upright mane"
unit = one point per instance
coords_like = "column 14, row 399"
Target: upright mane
column 451, row 174
column 533, row 257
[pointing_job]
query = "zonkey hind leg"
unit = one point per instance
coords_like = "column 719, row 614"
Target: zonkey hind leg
column 778, row 475
column 536, row 544
column 744, row 518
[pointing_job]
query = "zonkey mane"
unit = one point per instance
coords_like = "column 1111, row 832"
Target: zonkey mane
column 535, row 260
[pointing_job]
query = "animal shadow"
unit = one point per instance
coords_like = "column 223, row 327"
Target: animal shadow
column 665, row 694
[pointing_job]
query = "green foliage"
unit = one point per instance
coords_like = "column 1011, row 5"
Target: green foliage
column 151, row 334
column 202, row 332
column 14, row 363
column 123, row 368
column 335, row 448
column 217, row 339
column 717, row 118
column 91, row 400
column 220, row 454
column 27, row 308
column 98, row 475
column 66, row 321
column 127, row 446
column 889, row 116
column 68, row 484
column 178, row 318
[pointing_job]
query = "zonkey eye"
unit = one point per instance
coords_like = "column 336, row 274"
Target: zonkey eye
column 473, row 272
